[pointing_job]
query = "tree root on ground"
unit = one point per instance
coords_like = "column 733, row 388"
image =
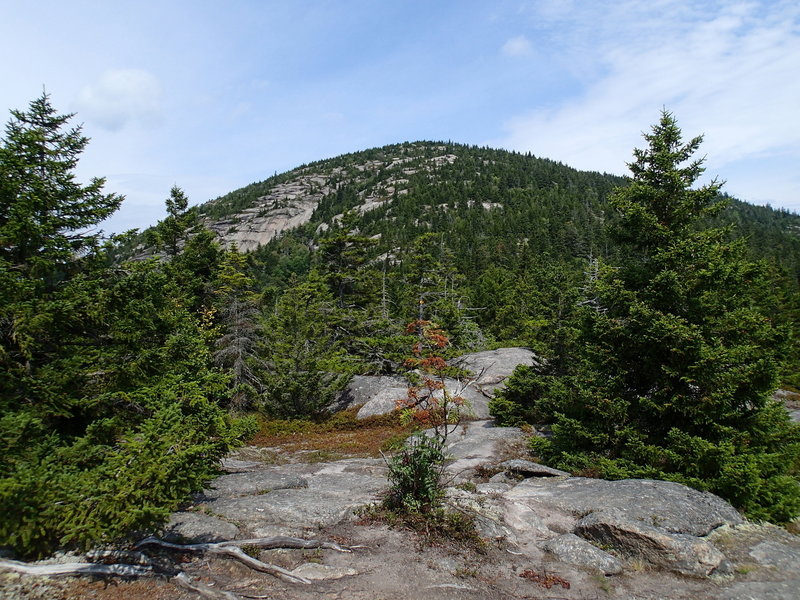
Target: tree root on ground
column 145, row 566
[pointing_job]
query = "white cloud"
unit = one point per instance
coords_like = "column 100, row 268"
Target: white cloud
column 731, row 75
column 121, row 97
column 518, row 46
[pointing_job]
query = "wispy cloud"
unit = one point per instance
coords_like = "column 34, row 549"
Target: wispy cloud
column 121, row 97
column 518, row 46
column 730, row 73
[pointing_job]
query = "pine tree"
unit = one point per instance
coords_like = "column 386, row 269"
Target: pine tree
column 343, row 255
column 170, row 232
column 303, row 351
column 46, row 216
column 239, row 320
column 109, row 411
column 676, row 360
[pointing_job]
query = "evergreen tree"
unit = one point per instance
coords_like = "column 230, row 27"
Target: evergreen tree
column 239, row 321
column 303, row 351
column 170, row 232
column 674, row 365
column 46, row 216
column 109, row 411
column 343, row 254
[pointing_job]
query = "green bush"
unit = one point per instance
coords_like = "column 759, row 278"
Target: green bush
column 91, row 491
column 415, row 475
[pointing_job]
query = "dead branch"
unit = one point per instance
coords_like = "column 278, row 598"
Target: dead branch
column 284, row 541
column 184, row 581
column 233, row 550
column 75, row 568
column 145, row 566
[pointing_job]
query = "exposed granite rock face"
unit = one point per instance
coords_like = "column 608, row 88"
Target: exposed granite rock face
column 292, row 203
column 527, row 468
column 281, row 500
column 670, row 506
column 380, row 394
column 479, row 443
column 198, row 527
column 762, row 590
column 774, row 554
column 542, row 520
column 685, row 554
column 490, row 368
column 574, row 550
column 250, row 483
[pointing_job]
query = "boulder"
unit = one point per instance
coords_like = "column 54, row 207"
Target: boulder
column 476, row 403
column 673, row 507
column 527, row 468
column 569, row 548
column 490, row 368
column 379, row 394
column 376, row 394
column 487, row 512
column 685, row 554
column 478, row 442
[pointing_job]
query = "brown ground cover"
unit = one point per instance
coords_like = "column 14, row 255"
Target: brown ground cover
column 341, row 436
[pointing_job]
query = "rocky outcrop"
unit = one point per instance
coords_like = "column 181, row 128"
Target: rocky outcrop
column 684, row 554
column 570, row 548
column 527, row 468
column 486, row 372
column 291, row 203
column 491, row 367
column 281, row 500
column 542, row 518
column 672, row 507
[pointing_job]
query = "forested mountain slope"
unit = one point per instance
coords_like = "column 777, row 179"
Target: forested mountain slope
column 492, row 207
column 510, row 233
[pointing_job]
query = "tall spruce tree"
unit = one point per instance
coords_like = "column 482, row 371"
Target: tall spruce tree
column 240, row 325
column 46, row 215
column 676, row 359
column 109, row 411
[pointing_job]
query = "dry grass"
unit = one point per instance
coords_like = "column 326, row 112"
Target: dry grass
column 341, row 436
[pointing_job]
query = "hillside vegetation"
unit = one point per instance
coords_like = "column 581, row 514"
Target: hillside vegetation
column 129, row 363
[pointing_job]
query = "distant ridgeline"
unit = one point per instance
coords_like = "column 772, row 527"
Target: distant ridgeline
column 491, row 208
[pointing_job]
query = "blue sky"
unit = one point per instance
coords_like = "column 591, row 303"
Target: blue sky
column 212, row 96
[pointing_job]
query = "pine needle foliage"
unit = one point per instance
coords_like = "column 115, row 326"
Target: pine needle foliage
column 672, row 370
column 110, row 411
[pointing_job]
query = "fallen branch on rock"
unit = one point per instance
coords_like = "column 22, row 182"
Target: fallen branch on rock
column 233, row 550
column 270, row 543
column 75, row 568
column 147, row 567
